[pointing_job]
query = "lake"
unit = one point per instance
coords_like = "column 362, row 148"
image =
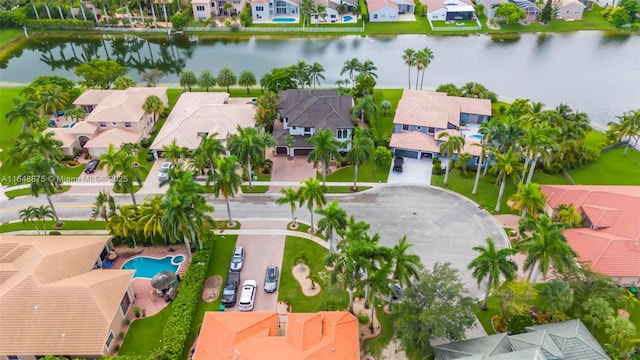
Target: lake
column 591, row 71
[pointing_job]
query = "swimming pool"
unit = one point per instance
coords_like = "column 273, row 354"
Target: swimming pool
column 283, row 20
column 146, row 267
column 475, row 137
column 347, row 18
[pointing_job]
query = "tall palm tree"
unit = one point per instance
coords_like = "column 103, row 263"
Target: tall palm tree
column 247, row 79
column 424, row 58
column 153, row 105
column 628, row 127
column 596, row 310
column 362, row 147
column 226, row 77
column 342, row 9
column 409, row 60
column 23, row 111
column 490, row 264
column 42, row 213
column 76, row 114
column 544, row 246
column 301, row 73
column 368, row 68
column 226, row 180
column 151, row 214
column 206, row 80
column 208, row 151
column 289, row 197
column 37, row 173
column 334, row 218
column 312, row 193
column 506, row 165
column 124, row 222
column 406, row 267
column 351, row 67
column 529, row 198
column 28, row 215
column 315, row 73
column 557, row 295
column 52, row 99
column 130, row 173
column 377, row 281
column 103, row 207
column 109, row 160
column 248, row 146
column 174, row 152
column 365, row 109
column 43, row 143
column 306, row 8
column 452, row 144
column 188, row 79
column 535, row 142
column 481, row 163
column 325, row 147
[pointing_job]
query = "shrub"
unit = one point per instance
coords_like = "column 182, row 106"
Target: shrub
column 363, row 318
column 518, row 324
column 59, row 24
column 437, row 167
column 54, row 232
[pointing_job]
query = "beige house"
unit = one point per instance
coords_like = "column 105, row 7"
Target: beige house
column 113, row 117
column 54, row 299
column 201, row 114
column 570, row 10
column 205, row 9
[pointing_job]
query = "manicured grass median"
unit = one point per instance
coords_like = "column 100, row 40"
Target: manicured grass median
column 611, row 168
column 365, row 174
column 68, row 225
column 24, row 192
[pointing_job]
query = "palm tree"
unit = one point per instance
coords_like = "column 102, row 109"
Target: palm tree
column 342, row 9
column 208, row 151
column 43, row 143
column 301, row 73
column 506, row 165
column 306, row 8
column 529, row 198
column 351, row 67
column 37, row 173
column 409, row 60
column 175, row 153
column 103, row 207
column 367, row 68
column 361, row 150
column 452, row 145
column 76, row 114
column 557, row 295
column 312, row 193
column 365, row 108
column 406, row 267
column 424, row 58
column 619, row 329
column 545, row 246
column 628, row 127
column 226, row 180
column 248, row 146
column 490, row 264
column 345, row 270
column 28, row 215
column 124, row 222
column 536, row 141
column 123, row 82
column 247, row 79
column 153, row 105
column 130, row 172
column 188, row 79
column 334, row 219
column 151, row 214
column 108, row 160
column 52, row 99
column 315, row 73
column 313, row 278
column 568, row 214
column 385, row 105
column 596, row 310
column 25, row 111
column 325, row 147
column 377, row 281
column 290, row 197
column 226, row 78
column 42, row 213
column 206, row 79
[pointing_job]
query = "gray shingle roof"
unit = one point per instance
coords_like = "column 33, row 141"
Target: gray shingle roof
column 316, row 108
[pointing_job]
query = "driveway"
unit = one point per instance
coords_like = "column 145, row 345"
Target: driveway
column 262, row 251
column 414, row 171
column 296, row 170
column 152, row 185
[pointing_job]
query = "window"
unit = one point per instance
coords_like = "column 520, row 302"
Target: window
column 103, row 124
column 125, row 304
column 13, row 357
column 114, row 123
column 577, row 12
column 259, row 8
column 199, row 7
column 128, row 124
column 431, row 130
column 307, row 129
column 110, row 339
column 375, row 16
column 405, row 127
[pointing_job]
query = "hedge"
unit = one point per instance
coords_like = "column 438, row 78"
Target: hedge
column 59, row 24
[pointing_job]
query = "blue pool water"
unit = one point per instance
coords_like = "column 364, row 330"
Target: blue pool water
column 283, row 20
column 475, row 137
column 347, row 18
column 146, row 267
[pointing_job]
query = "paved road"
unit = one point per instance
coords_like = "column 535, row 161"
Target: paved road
column 442, row 225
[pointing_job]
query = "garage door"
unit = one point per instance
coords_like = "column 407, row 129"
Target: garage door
column 406, row 153
column 299, row 152
column 281, row 150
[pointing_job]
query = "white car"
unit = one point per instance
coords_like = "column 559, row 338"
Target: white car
column 248, row 295
column 163, row 174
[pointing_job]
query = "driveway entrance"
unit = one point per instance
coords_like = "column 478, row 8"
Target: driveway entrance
column 285, row 170
column 414, row 171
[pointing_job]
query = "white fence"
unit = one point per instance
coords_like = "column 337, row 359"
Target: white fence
column 278, row 29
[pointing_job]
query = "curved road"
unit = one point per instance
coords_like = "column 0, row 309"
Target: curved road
column 442, row 225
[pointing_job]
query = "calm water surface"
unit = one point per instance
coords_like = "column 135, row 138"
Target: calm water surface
column 590, row 71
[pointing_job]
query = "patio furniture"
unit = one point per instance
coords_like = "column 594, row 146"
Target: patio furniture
column 107, row 264
column 112, row 256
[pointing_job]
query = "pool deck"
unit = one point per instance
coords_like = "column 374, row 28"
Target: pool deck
column 142, row 287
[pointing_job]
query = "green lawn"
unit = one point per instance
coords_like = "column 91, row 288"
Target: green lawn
column 596, row 138
column 612, row 168
column 420, row 26
column 24, row 192
column 344, row 189
column 289, row 287
column 454, row 25
column 257, row 189
column 376, row 345
column 493, row 308
column 591, row 20
column 68, row 225
column 144, row 335
column 221, row 251
column 9, row 35
column 8, row 133
column 384, row 122
column 365, row 174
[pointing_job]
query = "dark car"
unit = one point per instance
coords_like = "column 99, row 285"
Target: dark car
column 271, row 279
column 92, row 165
column 230, row 291
column 397, row 164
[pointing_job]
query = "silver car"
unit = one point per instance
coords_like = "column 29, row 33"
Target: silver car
column 271, row 279
column 163, row 174
column 238, row 259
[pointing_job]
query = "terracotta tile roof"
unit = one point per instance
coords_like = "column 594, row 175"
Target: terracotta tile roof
column 451, row 132
column 63, row 135
column 472, row 147
column 414, row 140
column 116, row 136
column 50, row 300
column 375, row 5
column 612, row 244
column 83, row 127
column 254, row 335
column 433, row 5
column 203, row 113
column 124, row 105
column 92, row 97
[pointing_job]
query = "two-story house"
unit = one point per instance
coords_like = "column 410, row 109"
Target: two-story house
column 304, row 112
column 205, row 9
column 113, row 117
column 264, row 10
column 421, row 116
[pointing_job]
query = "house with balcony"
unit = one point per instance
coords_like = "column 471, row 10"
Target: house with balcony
column 304, row 112
column 114, row 117
column 421, row 116
column 265, row 10
column 205, row 9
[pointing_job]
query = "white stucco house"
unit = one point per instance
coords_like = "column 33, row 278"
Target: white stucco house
column 448, row 10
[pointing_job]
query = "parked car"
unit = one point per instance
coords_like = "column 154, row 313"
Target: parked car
column 238, row 259
column 397, row 164
column 252, row 101
column 92, row 166
column 230, row 291
column 271, row 279
column 164, row 171
column 248, row 295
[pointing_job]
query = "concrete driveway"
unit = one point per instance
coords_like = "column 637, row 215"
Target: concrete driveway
column 262, row 251
column 414, row 171
column 297, row 169
column 152, row 185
